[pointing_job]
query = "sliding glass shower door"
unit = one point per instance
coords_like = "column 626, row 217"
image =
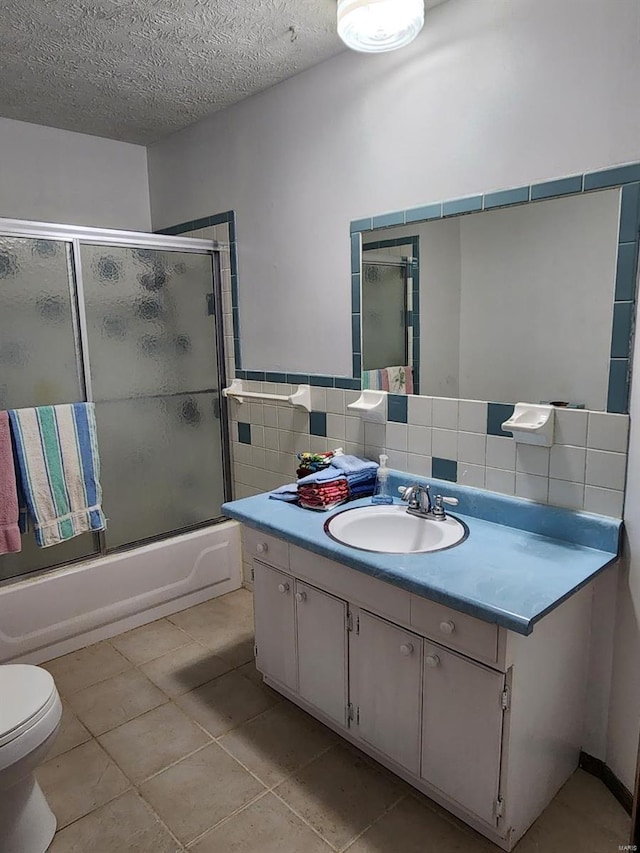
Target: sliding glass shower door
column 153, row 365
column 129, row 322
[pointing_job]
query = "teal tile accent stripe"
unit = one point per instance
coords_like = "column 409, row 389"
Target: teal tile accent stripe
column 618, row 396
column 506, row 197
column 418, row 214
column 555, row 189
column 622, row 326
column 612, row 177
column 627, row 272
column 388, row 219
column 462, row 205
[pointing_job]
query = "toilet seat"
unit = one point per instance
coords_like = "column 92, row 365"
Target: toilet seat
column 27, row 694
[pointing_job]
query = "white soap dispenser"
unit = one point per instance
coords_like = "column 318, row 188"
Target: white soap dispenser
column 381, row 491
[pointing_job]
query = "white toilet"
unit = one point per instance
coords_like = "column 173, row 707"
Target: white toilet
column 30, row 714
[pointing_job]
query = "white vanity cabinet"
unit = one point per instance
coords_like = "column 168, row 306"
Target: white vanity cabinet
column 486, row 722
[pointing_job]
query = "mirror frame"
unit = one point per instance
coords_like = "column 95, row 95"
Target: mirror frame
column 625, row 178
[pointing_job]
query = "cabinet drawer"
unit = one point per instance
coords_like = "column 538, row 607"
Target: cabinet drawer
column 353, row 586
column 455, row 629
column 267, row 548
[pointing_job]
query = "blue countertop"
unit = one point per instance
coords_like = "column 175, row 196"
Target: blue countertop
column 504, row 572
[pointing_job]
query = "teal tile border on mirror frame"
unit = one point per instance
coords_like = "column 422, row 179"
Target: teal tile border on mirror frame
column 625, row 177
column 413, row 316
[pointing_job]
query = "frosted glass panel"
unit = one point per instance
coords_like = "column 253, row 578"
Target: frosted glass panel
column 151, row 335
column 150, row 329
column 38, row 360
column 37, row 348
column 161, row 466
column 383, row 316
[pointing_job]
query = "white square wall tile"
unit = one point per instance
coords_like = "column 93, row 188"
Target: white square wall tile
column 501, row 453
column 420, row 410
column 354, row 430
column 396, row 436
column 375, row 434
column 531, row 459
column 270, row 416
column 498, row 480
column 419, row 440
column 419, row 465
column 563, row 493
column 472, row 447
column 472, row 416
column 571, row 427
column 335, row 401
column 444, row 443
column 532, row 487
column 568, row 463
column 606, row 469
column 608, row 431
column 336, row 426
column 471, row 475
column 603, row 501
column 397, row 460
column 445, row 413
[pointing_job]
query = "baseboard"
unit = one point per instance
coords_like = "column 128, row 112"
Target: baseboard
column 601, row 771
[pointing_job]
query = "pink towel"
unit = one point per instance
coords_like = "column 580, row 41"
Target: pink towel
column 10, row 540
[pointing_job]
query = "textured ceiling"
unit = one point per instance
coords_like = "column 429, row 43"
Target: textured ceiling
column 137, row 70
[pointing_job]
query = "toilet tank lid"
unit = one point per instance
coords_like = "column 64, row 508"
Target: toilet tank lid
column 24, row 691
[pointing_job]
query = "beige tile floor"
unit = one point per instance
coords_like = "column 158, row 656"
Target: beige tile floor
column 170, row 742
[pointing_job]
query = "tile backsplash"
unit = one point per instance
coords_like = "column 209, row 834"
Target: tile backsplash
column 457, row 440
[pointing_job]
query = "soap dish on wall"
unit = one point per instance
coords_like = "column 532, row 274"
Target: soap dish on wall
column 531, row 423
column 371, row 406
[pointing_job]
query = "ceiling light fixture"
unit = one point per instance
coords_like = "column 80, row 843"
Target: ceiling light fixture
column 375, row 26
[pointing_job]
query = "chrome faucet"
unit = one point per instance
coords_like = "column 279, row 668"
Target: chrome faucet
column 419, row 502
column 418, row 498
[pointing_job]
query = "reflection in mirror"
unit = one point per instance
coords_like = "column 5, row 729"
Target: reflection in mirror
column 512, row 304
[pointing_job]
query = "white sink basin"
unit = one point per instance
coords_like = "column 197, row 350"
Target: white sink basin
column 391, row 530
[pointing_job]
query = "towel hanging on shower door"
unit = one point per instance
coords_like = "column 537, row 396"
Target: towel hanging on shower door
column 10, row 540
column 59, row 469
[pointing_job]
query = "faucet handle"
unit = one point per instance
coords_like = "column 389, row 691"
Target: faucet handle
column 438, row 509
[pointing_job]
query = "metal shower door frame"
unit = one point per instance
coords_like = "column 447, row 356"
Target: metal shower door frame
column 75, row 236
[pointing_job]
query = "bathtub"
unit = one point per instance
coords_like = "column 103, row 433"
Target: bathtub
column 68, row 608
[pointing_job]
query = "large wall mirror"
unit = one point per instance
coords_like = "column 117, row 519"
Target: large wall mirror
column 526, row 294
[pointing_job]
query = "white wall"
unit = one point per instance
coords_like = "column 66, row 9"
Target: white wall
column 54, row 175
column 493, row 94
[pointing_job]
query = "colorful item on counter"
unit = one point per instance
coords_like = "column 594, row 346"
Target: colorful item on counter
column 324, row 496
column 396, row 380
column 10, row 539
column 59, row 468
column 312, row 462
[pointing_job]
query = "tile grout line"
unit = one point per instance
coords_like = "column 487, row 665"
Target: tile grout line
column 397, row 802
column 304, row 820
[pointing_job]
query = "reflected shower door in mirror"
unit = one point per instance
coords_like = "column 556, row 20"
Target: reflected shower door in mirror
column 514, row 303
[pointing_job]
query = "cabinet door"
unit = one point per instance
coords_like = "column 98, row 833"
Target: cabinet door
column 274, row 616
column 322, row 650
column 462, row 729
column 386, row 682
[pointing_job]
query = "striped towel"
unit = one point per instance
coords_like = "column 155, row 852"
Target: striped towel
column 396, row 380
column 57, row 454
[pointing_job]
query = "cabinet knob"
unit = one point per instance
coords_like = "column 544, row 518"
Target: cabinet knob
column 301, row 596
column 262, row 547
column 283, row 587
column 447, row 627
column 406, row 649
column 432, row 660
